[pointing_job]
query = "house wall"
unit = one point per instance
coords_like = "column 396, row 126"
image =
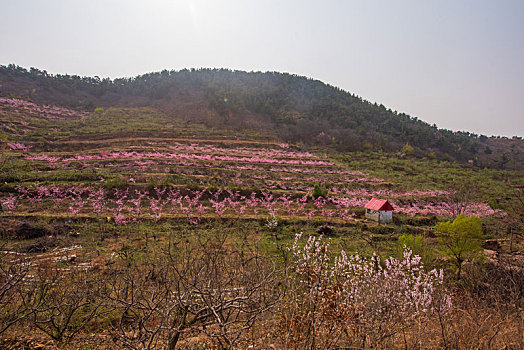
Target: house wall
column 386, row 216
column 372, row 215
column 380, row 216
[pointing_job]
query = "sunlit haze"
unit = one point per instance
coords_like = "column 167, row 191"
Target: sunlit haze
column 459, row 64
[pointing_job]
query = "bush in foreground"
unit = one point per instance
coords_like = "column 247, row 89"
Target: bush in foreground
column 342, row 300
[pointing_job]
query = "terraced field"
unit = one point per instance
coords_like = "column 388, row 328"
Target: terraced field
column 83, row 192
column 129, row 179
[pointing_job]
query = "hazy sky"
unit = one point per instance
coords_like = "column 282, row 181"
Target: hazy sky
column 459, row 64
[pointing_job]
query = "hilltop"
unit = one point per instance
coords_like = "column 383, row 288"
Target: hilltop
column 277, row 106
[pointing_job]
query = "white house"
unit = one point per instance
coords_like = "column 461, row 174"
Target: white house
column 379, row 210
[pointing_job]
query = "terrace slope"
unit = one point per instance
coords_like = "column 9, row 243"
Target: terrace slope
column 72, row 157
column 293, row 108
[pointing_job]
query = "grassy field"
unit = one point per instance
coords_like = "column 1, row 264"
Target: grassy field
column 127, row 228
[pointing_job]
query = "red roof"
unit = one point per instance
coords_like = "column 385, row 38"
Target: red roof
column 378, row 204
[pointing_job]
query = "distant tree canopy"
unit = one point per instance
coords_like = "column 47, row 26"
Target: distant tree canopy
column 299, row 109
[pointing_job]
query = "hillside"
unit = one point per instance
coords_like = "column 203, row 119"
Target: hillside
column 281, row 106
column 181, row 219
column 112, row 231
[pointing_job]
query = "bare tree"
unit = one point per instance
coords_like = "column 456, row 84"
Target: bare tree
column 13, row 271
column 233, row 287
column 205, row 286
column 516, row 214
column 461, row 196
column 62, row 302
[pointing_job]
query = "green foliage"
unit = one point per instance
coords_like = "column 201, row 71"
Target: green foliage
column 432, row 174
column 99, row 110
column 431, row 155
column 460, row 240
column 116, row 182
column 366, row 146
column 418, row 246
column 159, row 182
column 407, row 149
column 320, row 190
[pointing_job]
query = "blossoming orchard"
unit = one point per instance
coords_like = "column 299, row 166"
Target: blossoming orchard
column 128, row 205
column 221, row 176
column 124, row 227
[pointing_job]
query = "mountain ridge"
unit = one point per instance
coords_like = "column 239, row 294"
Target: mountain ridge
column 296, row 108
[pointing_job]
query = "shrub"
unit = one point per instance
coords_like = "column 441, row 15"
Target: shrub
column 319, row 190
column 357, row 300
column 417, row 245
column 325, row 230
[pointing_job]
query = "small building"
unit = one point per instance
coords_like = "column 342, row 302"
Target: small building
column 379, row 210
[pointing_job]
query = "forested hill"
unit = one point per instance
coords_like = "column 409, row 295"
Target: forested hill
column 294, row 108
